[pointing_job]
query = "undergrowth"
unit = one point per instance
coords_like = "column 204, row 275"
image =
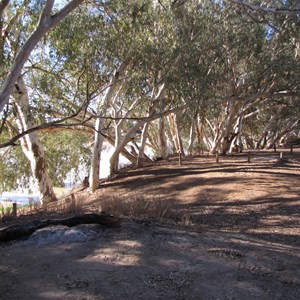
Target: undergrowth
column 143, row 208
column 6, row 212
column 134, row 206
column 69, row 205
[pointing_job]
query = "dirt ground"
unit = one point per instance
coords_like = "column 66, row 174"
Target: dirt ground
column 227, row 230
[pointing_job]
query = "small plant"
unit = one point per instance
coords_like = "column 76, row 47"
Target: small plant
column 69, row 205
column 6, row 212
column 72, row 206
column 140, row 207
column 2, row 210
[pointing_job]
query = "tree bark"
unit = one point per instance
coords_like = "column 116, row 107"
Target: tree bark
column 132, row 131
column 100, row 130
column 131, row 157
column 162, row 140
column 98, row 144
column 192, row 135
column 143, row 144
column 173, row 133
column 32, row 146
column 3, row 5
column 224, row 130
column 236, row 144
column 176, row 133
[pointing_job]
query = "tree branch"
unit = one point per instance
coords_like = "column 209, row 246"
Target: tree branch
column 50, row 125
column 264, row 9
column 45, row 17
column 3, row 5
column 46, row 22
column 53, row 124
column 65, row 11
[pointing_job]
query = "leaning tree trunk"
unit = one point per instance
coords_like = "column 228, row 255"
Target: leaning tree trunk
column 132, row 131
column 31, row 145
column 100, row 126
column 47, row 21
column 143, row 144
column 216, row 138
column 224, row 131
column 118, row 139
column 131, row 156
column 119, row 121
column 236, row 144
column 264, row 136
column 129, row 135
column 204, row 138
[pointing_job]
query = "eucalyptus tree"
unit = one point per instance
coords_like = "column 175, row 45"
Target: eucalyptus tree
column 231, row 63
column 141, row 44
column 49, row 17
column 25, row 110
column 115, row 68
column 75, row 75
column 195, row 74
column 254, row 67
column 104, row 63
column 268, row 126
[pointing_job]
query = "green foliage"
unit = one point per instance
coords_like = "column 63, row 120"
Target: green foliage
column 203, row 52
column 5, row 211
column 14, row 169
column 67, row 151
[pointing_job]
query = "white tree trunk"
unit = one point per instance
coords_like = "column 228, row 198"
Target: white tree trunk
column 126, row 139
column 132, row 131
column 236, row 144
column 98, row 144
column 118, row 140
column 100, row 126
column 173, row 133
column 224, row 130
column 131, row 156
column 32, row 146
column 46, row 22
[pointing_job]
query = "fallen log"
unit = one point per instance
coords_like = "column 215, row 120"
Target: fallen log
column 18, row 231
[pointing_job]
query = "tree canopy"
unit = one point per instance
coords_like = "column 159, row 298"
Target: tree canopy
column 149, row 75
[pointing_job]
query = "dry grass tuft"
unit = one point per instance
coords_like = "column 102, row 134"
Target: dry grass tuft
column 6, row 213
column 142, row 208
column 69, row 205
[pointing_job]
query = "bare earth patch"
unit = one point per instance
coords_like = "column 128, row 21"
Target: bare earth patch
column 227, row 230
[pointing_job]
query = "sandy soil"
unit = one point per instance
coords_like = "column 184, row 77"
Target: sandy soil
column 227, row 230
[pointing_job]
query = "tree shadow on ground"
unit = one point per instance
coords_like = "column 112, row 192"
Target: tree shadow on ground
column 233, row 248
column 275, row 219
column 259, row 198
column 150, row 261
